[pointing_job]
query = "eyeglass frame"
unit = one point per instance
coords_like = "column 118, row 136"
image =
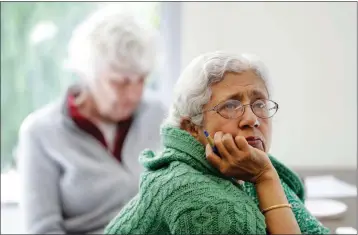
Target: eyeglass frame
column 243, row 108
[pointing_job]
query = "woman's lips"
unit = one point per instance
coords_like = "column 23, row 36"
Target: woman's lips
column 255, row 142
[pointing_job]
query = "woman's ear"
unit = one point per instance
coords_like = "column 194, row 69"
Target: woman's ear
column 187, row 125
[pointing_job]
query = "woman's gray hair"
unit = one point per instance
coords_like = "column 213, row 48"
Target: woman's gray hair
column 112, row 38
column 192, row 90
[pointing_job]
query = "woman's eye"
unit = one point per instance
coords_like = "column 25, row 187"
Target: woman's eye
column 231, row 105
column 260, row 104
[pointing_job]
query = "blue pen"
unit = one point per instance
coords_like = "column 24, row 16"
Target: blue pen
column 211, row 142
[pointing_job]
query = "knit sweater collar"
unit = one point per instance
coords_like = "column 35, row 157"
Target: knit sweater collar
column 179, row 145
column 182, row 147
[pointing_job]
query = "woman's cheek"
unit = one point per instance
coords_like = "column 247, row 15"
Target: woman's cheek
column 226, row 126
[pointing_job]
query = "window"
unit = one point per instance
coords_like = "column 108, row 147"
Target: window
column 34, row 37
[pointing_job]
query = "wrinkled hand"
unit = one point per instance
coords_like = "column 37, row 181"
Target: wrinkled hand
column 239, row 159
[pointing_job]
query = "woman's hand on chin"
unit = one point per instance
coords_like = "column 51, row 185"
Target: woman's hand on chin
column 239, row 159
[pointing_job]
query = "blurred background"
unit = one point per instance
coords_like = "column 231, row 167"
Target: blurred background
column 310, row 49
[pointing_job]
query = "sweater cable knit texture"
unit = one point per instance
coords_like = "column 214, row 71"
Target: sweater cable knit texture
column 181, row 193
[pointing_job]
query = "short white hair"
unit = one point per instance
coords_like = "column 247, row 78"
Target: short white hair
column 112, row 38
column 192, row 90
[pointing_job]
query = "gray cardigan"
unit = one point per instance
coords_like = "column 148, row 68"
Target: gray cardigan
column 69, row 182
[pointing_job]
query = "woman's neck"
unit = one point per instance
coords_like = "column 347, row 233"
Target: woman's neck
column 87, row 107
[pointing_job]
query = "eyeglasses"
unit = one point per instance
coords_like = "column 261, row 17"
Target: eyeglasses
column 231, row 109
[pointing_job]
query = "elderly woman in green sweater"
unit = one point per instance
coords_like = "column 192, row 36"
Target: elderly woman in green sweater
column 225, row 182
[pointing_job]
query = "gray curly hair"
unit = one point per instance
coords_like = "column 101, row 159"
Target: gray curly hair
column 112, row 38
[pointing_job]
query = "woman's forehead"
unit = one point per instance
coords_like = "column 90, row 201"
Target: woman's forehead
column 239, row 85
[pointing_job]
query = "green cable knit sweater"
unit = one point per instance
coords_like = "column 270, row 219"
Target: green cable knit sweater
column 181, row 193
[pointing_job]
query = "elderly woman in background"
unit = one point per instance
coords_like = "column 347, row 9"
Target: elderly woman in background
column 78, row 157
column 191, row 189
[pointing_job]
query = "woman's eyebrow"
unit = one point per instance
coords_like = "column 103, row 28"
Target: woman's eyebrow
column 238, row 95
column 251, row 93
column 257, row 93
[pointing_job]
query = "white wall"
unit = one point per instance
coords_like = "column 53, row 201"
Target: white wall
column 11, row 220
column 311, row 52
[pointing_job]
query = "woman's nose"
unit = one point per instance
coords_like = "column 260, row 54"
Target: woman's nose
column 248, row 119
column 133, row 94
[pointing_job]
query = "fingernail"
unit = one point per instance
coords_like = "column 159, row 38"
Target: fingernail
column 207, row 149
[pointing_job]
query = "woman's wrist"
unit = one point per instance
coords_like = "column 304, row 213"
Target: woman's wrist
column 274, row 205
column 269, row 175
column 269, row 189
